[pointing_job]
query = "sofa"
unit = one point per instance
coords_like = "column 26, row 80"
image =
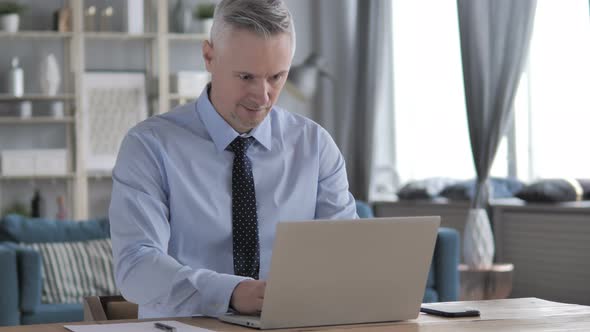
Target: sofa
column 443, row 278
column 20, row 280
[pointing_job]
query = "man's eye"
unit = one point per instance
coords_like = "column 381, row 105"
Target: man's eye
column 245, row 77
column 277, row 77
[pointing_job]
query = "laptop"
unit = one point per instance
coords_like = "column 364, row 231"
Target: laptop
column 335, row 272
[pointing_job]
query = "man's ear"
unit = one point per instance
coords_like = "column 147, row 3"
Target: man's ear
column 208, row 53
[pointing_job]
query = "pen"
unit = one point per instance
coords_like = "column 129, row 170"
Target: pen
column 164, row 327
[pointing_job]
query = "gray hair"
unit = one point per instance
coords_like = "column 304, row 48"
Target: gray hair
column 264, row 17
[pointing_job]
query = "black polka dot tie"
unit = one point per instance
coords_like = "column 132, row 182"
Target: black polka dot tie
column 246, row 248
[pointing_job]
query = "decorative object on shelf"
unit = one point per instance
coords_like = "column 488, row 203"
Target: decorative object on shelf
column 37, row 204
column 56, row 109
column 135, row 17
column 203, row 13
column 189, row 83
column 112, row 104
column 16, row 81
column 49, row 75
column 25, row 109
column 478, row 240
column 9, row 16
column 90, row 18
column 17, row 208
column 182, row 17
column 62, row 20
column 61, row 208
column 106, row 18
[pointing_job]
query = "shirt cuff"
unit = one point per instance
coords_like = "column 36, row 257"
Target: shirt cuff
column 216, row 290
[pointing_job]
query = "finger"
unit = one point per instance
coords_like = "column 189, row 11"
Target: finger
column 260, row 294
column 258, row 304
column 260, row 290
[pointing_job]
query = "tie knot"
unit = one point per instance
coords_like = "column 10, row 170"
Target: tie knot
column 241, row 144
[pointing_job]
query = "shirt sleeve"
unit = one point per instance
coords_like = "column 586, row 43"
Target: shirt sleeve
column 140, row 231
column 334, row 200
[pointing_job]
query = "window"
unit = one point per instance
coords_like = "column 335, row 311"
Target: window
column 552, row 109
column 432, row 136
column 552, row 106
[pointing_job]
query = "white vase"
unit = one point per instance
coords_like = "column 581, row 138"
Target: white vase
column 9, row 23
column 478, row 240
column 50, row 76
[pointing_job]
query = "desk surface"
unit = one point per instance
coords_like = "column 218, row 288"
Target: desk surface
column 526, row 314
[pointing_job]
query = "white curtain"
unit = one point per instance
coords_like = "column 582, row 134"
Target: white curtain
column 354, row 36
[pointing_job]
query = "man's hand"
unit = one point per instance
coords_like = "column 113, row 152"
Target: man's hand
column 247, row 297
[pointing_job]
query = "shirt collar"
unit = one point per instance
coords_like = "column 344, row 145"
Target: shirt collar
column 221, row 132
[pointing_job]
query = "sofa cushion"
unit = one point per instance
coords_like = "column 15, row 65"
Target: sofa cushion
column 556, row 190
column 55, row 313
column 430, row 295
column 364, row 210
column 73, row 270
column 17, row 228
column 28, row 267
column 9, row 285
column 29, row 270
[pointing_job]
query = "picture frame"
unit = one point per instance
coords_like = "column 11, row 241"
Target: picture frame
column 113, row 102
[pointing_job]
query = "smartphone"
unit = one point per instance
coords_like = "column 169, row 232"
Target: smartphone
column 449, row 310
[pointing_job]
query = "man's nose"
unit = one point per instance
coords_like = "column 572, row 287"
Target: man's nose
column 261, row 93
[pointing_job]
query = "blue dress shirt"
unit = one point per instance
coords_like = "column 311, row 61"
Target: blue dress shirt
column 170, row 212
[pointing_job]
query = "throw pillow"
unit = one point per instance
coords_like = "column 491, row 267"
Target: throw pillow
column 556, row 190
column 73, row 270
column 424, row 189
column 499, row 188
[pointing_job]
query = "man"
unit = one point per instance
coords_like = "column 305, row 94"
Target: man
column 197, row 192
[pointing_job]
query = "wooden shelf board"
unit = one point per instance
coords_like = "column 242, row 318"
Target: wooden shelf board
column 118, row 36
column 38, row 177
column 41, row 34
column 174, row 96
column 36, row 97
column 187, row 36
column 35, row 120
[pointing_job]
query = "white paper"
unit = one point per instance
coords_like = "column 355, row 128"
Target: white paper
column 134, row 327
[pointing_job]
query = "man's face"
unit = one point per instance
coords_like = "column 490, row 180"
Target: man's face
column 248, row 73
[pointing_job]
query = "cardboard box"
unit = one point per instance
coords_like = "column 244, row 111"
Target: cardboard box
column 33, row 162
column 17, row 163
column 189, row 83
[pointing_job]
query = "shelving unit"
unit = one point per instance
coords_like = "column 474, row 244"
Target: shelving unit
column 157, row 39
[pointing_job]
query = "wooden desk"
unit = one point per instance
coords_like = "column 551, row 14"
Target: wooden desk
column 526, row 314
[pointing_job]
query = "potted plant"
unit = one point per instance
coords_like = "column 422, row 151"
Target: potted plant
column 9, row 16
column 203, row 13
